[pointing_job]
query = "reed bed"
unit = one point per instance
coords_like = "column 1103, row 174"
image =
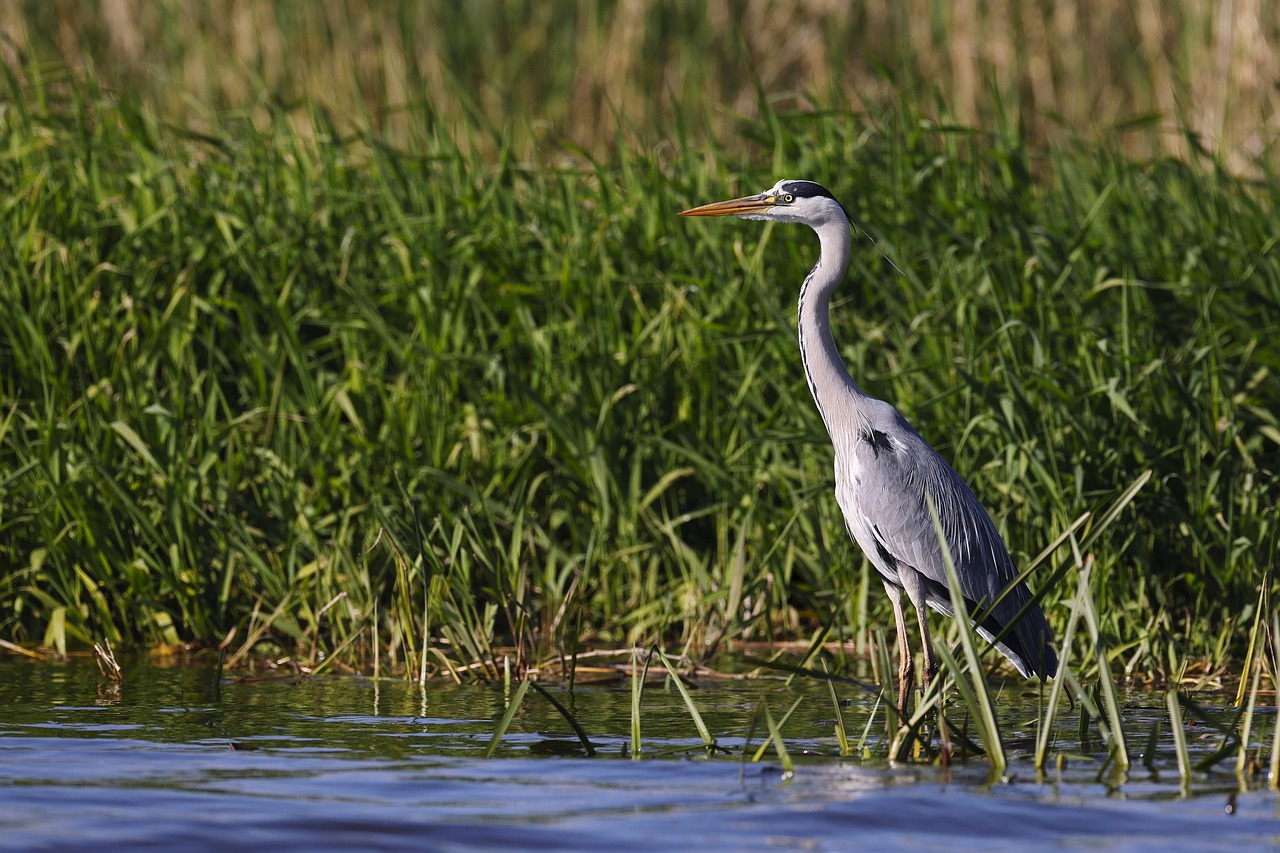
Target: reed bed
column 316, row 396
column 1153, row 77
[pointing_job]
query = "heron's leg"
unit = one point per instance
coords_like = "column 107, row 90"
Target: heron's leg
column 906, row 665
column 930, row 661
column 913, row 584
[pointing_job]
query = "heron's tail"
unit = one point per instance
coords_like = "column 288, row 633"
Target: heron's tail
column 1026, row 642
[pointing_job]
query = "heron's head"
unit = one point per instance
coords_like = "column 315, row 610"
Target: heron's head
column 786, row 201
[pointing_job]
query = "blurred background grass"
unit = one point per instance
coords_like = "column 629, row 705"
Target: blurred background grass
column 1152, row 75
column 350, row 326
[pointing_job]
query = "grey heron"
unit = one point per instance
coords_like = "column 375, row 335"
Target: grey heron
column 884, row 468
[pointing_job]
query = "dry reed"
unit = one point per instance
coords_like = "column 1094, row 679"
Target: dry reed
column 1166, row 74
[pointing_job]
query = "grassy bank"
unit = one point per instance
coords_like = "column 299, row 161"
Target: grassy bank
column 338, row 396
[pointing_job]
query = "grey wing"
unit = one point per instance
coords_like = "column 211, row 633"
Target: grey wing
column 896, row 469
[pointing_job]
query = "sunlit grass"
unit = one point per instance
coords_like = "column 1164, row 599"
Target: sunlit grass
column 329, row 394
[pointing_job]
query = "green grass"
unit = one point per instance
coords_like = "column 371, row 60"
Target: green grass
column 333, row 394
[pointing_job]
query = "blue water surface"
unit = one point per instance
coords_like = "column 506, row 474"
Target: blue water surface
column 176, row 759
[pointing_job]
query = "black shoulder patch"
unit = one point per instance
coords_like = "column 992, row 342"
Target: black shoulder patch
column 878, row 440
column 807, row 189
column 890, row 561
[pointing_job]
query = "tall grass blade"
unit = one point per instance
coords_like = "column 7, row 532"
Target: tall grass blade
column 1273, row 775
column 638, row 675
column 885, row 678
column 1048, row 550
column 1090, row 710
column 1105, row 681
column 866, row 730
column 1255, row 648
column 775, row 736
column 981, row 704
column 774, row 729
column 1152, row 747
column 1179, row 737
column 842, row 738
column 1246, row 724
column 1117, row 507
column 1045, row 734
column 991, row 741
column 708, row 741
column 512, row 706
column 1025, row 575
column 569, row 718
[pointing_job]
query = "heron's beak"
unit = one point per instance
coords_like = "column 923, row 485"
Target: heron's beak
column 733, row 207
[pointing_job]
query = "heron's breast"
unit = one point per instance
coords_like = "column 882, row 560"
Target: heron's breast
column 851, row 488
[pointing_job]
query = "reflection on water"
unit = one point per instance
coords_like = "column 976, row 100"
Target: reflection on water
column 174, row 759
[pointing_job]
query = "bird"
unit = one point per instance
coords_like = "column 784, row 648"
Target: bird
column 886, row 472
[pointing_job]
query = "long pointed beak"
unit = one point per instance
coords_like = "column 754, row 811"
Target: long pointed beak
column 732, row 207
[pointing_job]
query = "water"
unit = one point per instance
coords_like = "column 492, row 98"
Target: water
column 174, row 759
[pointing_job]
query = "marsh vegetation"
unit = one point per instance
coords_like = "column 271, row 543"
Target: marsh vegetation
column 424, row 390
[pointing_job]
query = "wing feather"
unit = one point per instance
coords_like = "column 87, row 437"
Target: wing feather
column 888, row 497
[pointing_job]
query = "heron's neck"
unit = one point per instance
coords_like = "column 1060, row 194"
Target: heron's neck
column 833, row 388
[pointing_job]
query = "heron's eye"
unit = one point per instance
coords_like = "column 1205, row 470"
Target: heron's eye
column 787, row 198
